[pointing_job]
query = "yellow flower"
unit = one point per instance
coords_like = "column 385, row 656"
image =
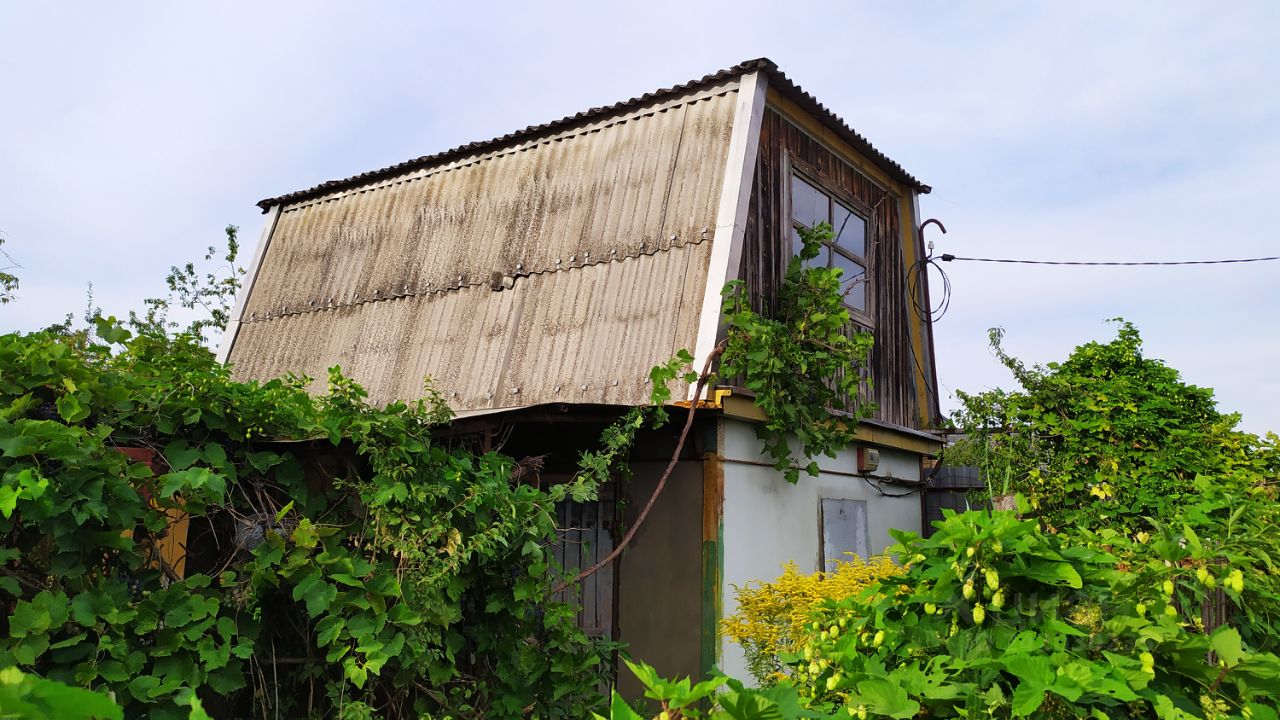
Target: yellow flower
column 879, row 638
column 930, row 608
column 967, row 591
column 997, row 600
column 979, row 614
column 1143, row 537
column 993, row 579
column 778, row 616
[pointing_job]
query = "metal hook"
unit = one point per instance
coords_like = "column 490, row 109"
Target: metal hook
column 925, row 224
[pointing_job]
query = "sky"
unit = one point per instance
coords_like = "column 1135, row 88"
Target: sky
column 133, row 133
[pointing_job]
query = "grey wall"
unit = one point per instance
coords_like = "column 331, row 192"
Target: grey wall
column 660, row 590
column 768, row 522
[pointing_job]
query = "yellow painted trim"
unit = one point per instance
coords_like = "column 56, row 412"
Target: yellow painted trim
column 807, row 122
column 907, row 221
column 744, row 408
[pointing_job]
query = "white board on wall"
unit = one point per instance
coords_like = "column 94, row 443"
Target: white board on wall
column 844, row 530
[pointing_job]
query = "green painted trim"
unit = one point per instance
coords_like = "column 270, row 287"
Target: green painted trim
column 712, row 602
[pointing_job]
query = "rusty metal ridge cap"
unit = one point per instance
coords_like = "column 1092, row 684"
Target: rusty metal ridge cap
column 776, row 77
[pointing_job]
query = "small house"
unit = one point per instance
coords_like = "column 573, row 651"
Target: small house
column 537, row 277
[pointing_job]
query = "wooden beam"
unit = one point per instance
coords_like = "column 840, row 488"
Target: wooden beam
column 745, row 408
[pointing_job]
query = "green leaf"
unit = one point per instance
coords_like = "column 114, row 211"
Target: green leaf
column 1054, row 573
column 71, row 409
column 1226, row 644
column 179, row 455
column 1027, row 698
column 110, row 330
column 620, row 710
column 886, row 698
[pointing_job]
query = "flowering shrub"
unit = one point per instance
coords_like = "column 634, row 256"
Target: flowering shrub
column 773, row 617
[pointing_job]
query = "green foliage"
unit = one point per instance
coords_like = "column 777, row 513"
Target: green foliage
column 995, row 618
column 1225, row 542
column 8, row 281
column 400, row 575
column 801, row 364
column 1108, row 437
column 599, row 466
column 27, row 696
column 211, row 292
column 1113, row 439
column 717, row 698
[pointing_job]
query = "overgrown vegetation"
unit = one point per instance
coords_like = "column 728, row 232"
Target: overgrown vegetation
column 342, row 562
column 1143, row 510
column 773, row 617
column 800, row 362
column 1107, row 437
column 995, row 618
column 401, row 577
column 1112, row 439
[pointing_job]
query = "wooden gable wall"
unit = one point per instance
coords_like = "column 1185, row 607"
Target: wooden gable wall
column 894, row 368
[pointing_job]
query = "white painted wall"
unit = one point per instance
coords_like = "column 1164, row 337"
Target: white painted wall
column 768, row 521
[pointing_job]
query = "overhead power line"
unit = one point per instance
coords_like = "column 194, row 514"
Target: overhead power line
column 948, row 257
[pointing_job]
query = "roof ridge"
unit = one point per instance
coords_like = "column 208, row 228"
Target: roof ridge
column 785, row 85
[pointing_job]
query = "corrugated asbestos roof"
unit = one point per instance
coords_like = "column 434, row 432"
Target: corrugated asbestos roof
column 586, row 335
column 777, row 80
column 558, row 268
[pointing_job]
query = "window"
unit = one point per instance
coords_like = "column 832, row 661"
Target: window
column 811, row 205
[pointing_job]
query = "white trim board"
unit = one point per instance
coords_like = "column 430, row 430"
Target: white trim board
column 246, row 287
column 731, row 218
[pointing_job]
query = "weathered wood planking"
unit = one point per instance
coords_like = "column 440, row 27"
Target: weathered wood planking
column 767, row 251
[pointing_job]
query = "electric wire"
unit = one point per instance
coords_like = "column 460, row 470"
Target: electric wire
column 948, row 257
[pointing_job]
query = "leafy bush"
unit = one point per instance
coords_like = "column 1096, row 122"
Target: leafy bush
column 994, row 617
column 773, row 617
column 1112, row 439
column 1108, row 437
column 347, row 563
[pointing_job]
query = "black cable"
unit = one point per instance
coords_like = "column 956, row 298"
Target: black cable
column 877, row 488
column 933, row 314
column 947, row 257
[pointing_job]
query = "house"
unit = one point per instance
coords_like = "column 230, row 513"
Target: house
column 537, row 277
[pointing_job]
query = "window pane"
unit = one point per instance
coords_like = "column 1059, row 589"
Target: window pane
column 851, row 231
column 823, row 259
column 809, row 206
column 853, row 280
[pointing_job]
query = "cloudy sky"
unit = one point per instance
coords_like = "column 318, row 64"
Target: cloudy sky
column 133, row 133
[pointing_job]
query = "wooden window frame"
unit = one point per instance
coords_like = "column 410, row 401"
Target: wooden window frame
column 793, row 167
